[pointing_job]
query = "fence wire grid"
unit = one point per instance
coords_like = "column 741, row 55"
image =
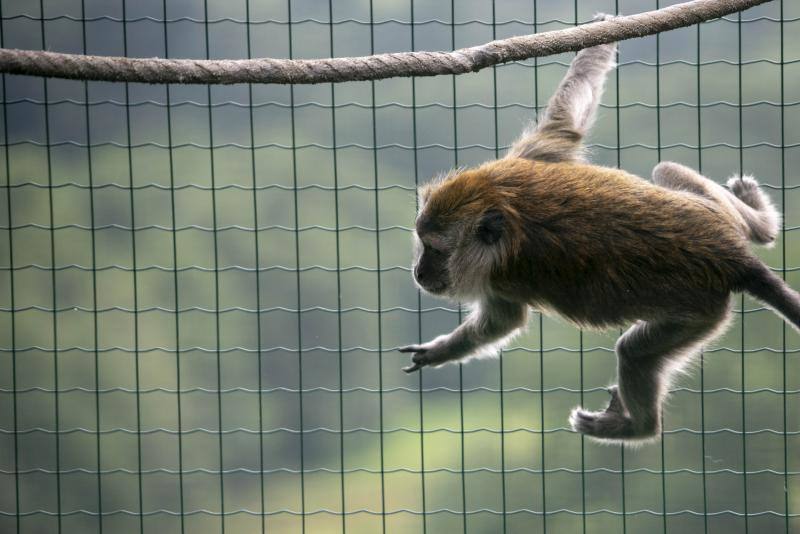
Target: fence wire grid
column 202, row 287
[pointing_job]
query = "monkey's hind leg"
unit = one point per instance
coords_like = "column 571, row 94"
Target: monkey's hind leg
column 646, row 356
column 759, row 219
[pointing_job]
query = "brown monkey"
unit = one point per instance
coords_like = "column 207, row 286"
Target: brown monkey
column 598, row 246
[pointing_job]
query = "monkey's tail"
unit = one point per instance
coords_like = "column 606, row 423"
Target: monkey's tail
column 770, row 289
column 763, row 220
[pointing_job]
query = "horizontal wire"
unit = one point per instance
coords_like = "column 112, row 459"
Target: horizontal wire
column 397, row 389
column 242, row 309
column 223, row 350
column 201, row 228
column 165, row 187
column 254, row 22
column 224, row 228
column 161, row 268
column 190, row 268
column 362, row 389
column 238, row 268
column 392, row 470
column 427, row 511
column 372, row 148
column 364, row 430
column 241, row 187
column 386, row 105
column 229, row 309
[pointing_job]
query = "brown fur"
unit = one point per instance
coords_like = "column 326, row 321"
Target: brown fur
column 584, row 240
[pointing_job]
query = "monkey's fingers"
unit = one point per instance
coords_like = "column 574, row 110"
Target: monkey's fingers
column 413, row 367
column 412, row 348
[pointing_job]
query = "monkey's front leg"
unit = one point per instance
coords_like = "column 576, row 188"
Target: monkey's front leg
column 491, row 322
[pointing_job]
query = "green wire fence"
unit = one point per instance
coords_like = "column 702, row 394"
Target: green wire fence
column 202, row 287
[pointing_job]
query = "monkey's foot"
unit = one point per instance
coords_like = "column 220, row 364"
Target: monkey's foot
column 610, row 424
column 746, row 189
column 603, row 425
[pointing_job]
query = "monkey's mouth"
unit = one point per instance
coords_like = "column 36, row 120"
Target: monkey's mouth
column 437, row 290
column 434, row 289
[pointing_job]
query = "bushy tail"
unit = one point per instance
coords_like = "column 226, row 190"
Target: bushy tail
column 770, row 289
column 763, row 220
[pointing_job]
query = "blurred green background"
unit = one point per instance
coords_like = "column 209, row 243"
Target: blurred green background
column 276, row 221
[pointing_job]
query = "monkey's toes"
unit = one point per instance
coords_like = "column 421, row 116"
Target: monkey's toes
column 583, row 421
column 741, row 184
column 601, row 425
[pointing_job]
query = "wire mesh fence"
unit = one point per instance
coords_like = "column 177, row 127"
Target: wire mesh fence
column 202, row 287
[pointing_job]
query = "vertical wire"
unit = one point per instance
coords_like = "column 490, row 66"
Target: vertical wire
column 258, row 284
column 378, row 269
column 658, row 157
column 581, row 385
column 175, row 283
column 702, row 352
column 17, row 517
column 500, row 358
column 783, row 274
column 460, row 365
column 741, row 170
column 539, row 313
column 419, row 293
column 57, row 432
column 135, row 284
column 541, row 325
column 297, row 284
column 338, row 280
column 541, row 418
column 95, row 325
column 216, row 280
column 619, row 165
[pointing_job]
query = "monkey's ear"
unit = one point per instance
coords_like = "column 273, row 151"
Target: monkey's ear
column 491, row 227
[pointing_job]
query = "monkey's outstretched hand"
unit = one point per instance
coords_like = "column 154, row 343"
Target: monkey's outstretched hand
column 436, row 352
column 415, row 365
column 490, row 322
column 423, row 355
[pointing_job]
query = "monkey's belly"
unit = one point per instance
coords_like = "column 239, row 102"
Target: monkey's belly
column 607, row 293
column 598, row 303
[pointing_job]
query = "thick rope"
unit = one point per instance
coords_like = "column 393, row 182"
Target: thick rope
column 380, row 66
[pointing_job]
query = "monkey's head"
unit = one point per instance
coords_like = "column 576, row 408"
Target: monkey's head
column 465, row 230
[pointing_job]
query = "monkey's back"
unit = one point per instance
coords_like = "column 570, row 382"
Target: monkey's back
column 604, row 247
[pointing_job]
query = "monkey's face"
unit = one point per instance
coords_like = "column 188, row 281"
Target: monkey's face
column 460, row 236
column 431, row 270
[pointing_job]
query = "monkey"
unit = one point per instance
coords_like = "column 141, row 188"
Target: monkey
column 543, row 228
